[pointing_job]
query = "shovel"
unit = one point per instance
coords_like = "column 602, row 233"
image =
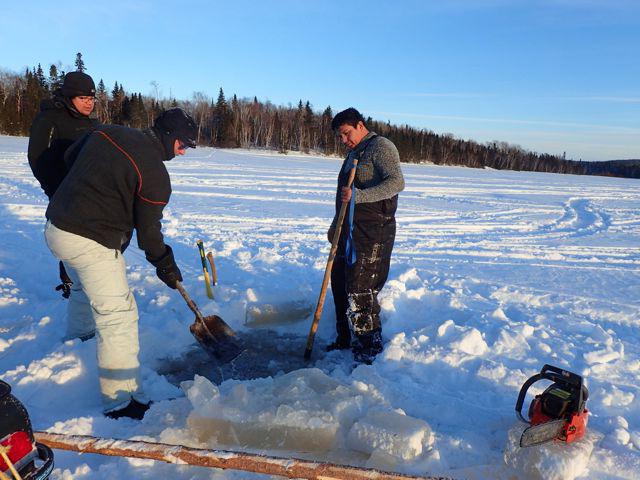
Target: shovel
column 212, row 332
column 327, row 270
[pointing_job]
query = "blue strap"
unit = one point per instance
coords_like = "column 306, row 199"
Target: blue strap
column 350, row 248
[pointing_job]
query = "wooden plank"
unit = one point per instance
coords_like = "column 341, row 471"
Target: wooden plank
column 285, row 467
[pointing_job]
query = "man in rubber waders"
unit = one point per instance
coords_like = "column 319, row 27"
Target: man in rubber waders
column 361, row 266
column 117, row 182
column 62, row 120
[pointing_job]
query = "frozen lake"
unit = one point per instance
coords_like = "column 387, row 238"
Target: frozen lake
column 494, row 274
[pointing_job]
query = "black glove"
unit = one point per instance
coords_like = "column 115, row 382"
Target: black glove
column 166, row 269
column 65, row 286
column 66, row 289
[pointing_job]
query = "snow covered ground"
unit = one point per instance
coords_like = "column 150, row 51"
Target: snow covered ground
column 494, row 274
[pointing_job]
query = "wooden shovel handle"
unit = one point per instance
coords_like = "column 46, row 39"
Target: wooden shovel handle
column 327, row 270
column 192, row 305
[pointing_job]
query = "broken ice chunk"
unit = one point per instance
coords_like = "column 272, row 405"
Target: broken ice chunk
column 301, row 411
column 391, row 433
column 202, row 394
column 265, row 433
column 552, row 460
column 273, row 314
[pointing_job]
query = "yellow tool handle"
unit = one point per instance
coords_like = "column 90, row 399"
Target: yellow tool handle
column 207, row 282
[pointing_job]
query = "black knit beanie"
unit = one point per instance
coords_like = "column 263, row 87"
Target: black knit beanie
column 78, row 84
column 175, row 124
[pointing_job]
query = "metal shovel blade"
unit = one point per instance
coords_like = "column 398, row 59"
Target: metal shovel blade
column 216, row 337
column 213, row 333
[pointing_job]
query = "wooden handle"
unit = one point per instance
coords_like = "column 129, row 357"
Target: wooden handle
column 224, row 459
column 214, row 272
column 204, row 269
column 7, row 461
column 327, row 270
column 187, row 298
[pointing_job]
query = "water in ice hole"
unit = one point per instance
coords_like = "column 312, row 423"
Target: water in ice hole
column 267, row 353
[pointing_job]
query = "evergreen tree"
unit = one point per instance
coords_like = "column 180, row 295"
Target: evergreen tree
column 221, row 121
column 326, row 137
column 102, row 103
column 237, row 125
column 308, row 122
column 117, row 98
column 80, row 63
column 138, row 112
column 34, row 92
column 54, row 78
column 42, row 82
column 125, row 112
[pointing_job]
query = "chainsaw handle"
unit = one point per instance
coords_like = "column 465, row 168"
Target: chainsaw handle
column 523, row 394
column 564, row 375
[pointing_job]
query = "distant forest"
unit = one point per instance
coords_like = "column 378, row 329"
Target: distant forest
column 249, row 123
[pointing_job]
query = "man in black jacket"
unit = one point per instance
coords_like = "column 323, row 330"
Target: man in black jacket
column 62, row 120
column 117, row 182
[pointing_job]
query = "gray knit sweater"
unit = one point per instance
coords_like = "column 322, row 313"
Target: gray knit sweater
column 378, row 175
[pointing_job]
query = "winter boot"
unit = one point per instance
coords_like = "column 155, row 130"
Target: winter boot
column 365, row 347
column 134, row 409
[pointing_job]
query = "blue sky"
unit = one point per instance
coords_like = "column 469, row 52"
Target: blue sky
column 551, row 76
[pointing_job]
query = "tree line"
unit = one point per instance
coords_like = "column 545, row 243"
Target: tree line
column 250, row 123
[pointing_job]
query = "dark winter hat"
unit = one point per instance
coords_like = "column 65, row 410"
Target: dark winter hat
column 176, row 124
column 78, row 84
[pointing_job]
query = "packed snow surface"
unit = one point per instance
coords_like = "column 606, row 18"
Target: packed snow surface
column 494, row 274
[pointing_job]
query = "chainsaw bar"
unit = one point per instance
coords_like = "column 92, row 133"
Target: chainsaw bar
column 542, row 433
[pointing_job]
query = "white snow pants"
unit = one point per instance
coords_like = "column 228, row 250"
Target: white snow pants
column 102, row 302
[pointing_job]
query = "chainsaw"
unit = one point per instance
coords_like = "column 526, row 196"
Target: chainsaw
column 558, row 413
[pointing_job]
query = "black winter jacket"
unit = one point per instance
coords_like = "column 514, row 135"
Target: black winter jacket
column 54, row 129
column 117, row 181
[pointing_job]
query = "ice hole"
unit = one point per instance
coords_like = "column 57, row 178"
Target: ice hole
column 268, row 353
